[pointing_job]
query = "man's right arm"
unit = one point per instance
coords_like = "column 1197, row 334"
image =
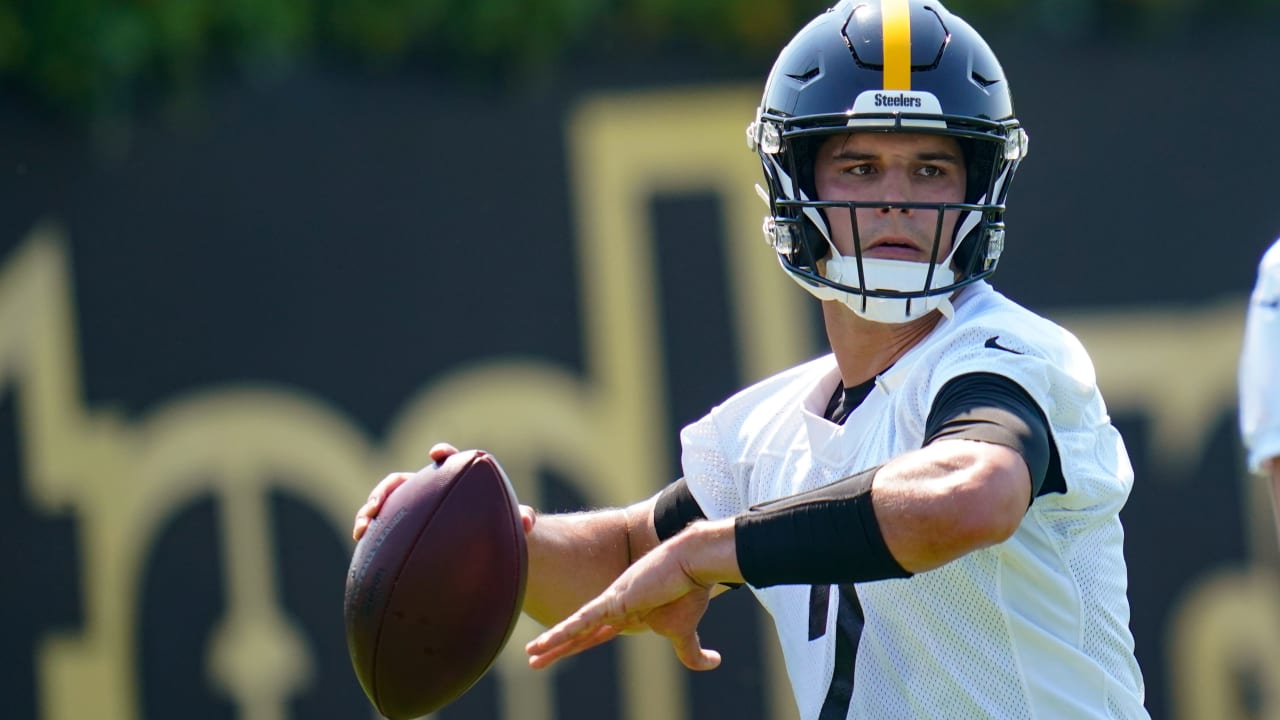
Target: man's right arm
column 574, row 557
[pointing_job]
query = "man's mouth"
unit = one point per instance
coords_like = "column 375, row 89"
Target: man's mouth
column 894, row 248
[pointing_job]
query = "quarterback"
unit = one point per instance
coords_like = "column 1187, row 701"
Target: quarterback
column 929, row 513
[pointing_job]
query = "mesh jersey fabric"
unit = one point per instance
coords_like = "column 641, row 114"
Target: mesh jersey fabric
column 1259, row 359
column 1035, row 627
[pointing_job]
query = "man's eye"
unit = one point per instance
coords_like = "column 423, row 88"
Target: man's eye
column 931, row 171
column 860, row 170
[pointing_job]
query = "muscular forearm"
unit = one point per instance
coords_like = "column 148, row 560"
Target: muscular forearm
column 573, row 557
column 948, row 499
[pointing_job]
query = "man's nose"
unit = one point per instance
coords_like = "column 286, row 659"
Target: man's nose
column 896, row 189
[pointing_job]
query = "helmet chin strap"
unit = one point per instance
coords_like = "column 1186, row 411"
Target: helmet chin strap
column 882, row 274
column 898, row 275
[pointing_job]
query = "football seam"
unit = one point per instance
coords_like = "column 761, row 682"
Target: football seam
column 377, row 641
column 517, row 529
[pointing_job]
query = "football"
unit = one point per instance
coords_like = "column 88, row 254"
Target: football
column 436, row 585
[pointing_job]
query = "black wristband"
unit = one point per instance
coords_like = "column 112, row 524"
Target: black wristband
column 674, row 509
column 825, row 536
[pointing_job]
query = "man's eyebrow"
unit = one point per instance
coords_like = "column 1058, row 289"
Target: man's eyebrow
column 926, row 156
column 939, row 156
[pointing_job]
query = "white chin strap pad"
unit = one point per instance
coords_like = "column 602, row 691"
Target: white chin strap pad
column 894, row 275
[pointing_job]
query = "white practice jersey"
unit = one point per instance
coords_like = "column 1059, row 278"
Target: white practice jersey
column 1260, row 365
column 1035, row 627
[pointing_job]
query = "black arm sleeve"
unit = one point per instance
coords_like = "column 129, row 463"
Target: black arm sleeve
column 675, row 509
column 992, row 408
column 826, row 535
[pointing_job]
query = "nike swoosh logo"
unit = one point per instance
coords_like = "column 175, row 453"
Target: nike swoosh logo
column 1271, row 304
column 991, row 343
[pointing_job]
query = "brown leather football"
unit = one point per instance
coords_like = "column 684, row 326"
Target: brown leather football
column 435, row 585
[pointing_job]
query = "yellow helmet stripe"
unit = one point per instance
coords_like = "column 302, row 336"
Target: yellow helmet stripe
column 896, row 18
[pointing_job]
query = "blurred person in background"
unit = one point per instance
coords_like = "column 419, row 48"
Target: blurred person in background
column 1260, row 376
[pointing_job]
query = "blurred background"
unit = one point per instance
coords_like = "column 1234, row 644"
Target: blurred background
column 255, row 254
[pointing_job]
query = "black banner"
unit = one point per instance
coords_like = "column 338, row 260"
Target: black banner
column 219, row 327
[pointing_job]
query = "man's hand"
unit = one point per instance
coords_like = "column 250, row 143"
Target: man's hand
column 666, row 591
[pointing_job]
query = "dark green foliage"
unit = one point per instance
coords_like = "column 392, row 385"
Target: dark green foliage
column 96, row 56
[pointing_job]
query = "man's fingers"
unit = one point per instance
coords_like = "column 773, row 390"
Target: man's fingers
column 574, row 636
column 577, row 644
column 569, row 630
column 573, row 646
column 377, row 497
column 438, row 453
column 690, row 651
column 382, row 490
column 588, row 627
column 441, row 452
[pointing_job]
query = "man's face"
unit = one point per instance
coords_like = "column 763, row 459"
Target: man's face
column 891, row 168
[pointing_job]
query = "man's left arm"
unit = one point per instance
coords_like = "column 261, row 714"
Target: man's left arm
column 987, row 453
column 985, row 458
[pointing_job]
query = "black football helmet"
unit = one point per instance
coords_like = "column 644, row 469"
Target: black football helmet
column 886, row 66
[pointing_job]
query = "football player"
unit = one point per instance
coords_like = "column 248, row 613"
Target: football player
column 930, row 513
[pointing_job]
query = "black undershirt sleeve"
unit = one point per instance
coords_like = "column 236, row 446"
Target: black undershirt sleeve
column 992, row 408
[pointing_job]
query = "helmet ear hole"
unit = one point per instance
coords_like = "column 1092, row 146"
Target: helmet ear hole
column 800, row 159
column 804, row 153
column 813, row 244
column 979, row 160
column 967, row 254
